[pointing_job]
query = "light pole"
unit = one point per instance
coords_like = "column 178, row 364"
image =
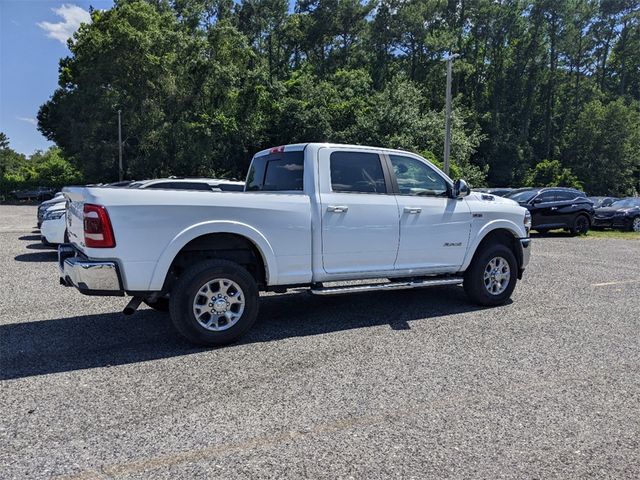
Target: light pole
column 120, row 171
column 447, row 108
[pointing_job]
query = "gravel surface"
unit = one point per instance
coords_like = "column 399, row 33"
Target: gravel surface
column 406, row 384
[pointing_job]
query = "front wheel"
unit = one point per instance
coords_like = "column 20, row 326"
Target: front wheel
column 214, row 302
column 635, row 225
column 492, row 275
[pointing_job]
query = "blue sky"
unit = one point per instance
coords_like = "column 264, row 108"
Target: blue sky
column 32, row 40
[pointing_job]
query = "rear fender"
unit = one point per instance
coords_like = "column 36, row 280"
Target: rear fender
column 205, row 228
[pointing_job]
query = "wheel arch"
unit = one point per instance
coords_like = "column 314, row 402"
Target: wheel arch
column 206, row 233
column 503, row 232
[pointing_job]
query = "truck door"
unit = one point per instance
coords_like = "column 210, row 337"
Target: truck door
column 434, row 228
column 359, row 213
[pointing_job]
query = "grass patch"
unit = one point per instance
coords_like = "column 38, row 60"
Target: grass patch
column 613, row 234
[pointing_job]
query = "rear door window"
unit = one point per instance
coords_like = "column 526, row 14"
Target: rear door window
column 546, row 197
column 282, row 171
column 357, row 172
column 562, row 196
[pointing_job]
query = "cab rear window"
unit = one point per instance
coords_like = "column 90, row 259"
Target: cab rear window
column 281, row 171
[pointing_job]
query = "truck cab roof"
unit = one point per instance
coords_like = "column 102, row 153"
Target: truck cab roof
column 302, row 146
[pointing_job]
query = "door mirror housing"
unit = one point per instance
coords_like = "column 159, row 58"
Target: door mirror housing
column 460, row 189
column 536, row 201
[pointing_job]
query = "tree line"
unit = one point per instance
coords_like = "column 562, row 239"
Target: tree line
column 40, row 169
column 539, row 86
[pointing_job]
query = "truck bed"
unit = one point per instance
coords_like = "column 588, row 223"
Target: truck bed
column 151, row 226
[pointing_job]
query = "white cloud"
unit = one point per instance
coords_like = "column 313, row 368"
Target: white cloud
column 30, row 120
column 72, row 17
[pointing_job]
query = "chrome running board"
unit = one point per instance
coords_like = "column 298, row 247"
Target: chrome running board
column 386, row 286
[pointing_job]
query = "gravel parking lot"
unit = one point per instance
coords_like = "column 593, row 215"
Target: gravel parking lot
column 407, row 384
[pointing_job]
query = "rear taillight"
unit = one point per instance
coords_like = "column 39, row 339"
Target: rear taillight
column 97, row 227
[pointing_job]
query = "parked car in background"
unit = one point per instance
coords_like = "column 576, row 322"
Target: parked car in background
column 556, row 207
column 623, row 214
column 42, row 208
column 205, row 184
column 53, row 230
column 599, row 202
column 499, row 191
column 38, row 193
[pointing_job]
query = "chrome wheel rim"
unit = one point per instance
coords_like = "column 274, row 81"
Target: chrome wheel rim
column 219, row 304
column 636, row 224
column 497, row 274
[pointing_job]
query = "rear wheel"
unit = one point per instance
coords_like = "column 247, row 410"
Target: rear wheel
column 214, row 302
column 580, row 225
column 492, row 275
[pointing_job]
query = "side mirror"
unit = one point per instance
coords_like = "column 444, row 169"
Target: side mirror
column 536, row 201
column 460, row 189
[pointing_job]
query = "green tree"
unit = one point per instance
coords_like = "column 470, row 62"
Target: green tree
column 551, row 173
column 202, row 84
column 52, row 169
column 604, row 148
column 49, row 169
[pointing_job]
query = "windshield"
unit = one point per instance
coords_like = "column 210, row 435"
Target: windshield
column 522, row 196
column 626, row 203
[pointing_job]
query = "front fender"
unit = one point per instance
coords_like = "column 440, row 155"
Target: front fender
column 516, row 230
column 205, row 228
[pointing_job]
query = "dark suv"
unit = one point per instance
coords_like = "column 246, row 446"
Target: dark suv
column 555, row 207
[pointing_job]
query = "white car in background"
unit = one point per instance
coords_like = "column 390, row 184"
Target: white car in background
column 53, row 229
column 205, row 184
column 44, row 206
column 53, row 226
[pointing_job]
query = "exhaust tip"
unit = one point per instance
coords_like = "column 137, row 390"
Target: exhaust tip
column 132, row 306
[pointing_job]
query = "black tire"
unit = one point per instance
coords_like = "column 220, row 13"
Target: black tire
column 474, row 283
column 580, row 225
column 161, row 304
column 185, row 290
column 633, row 224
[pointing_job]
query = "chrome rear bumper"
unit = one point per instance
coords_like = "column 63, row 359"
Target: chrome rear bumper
column 90, row 277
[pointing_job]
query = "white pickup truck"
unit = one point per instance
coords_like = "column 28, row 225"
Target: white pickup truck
column 314, row 216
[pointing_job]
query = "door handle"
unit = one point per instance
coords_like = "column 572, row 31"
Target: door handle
column 337, row 208
column 554, row 208
column 413, row 210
